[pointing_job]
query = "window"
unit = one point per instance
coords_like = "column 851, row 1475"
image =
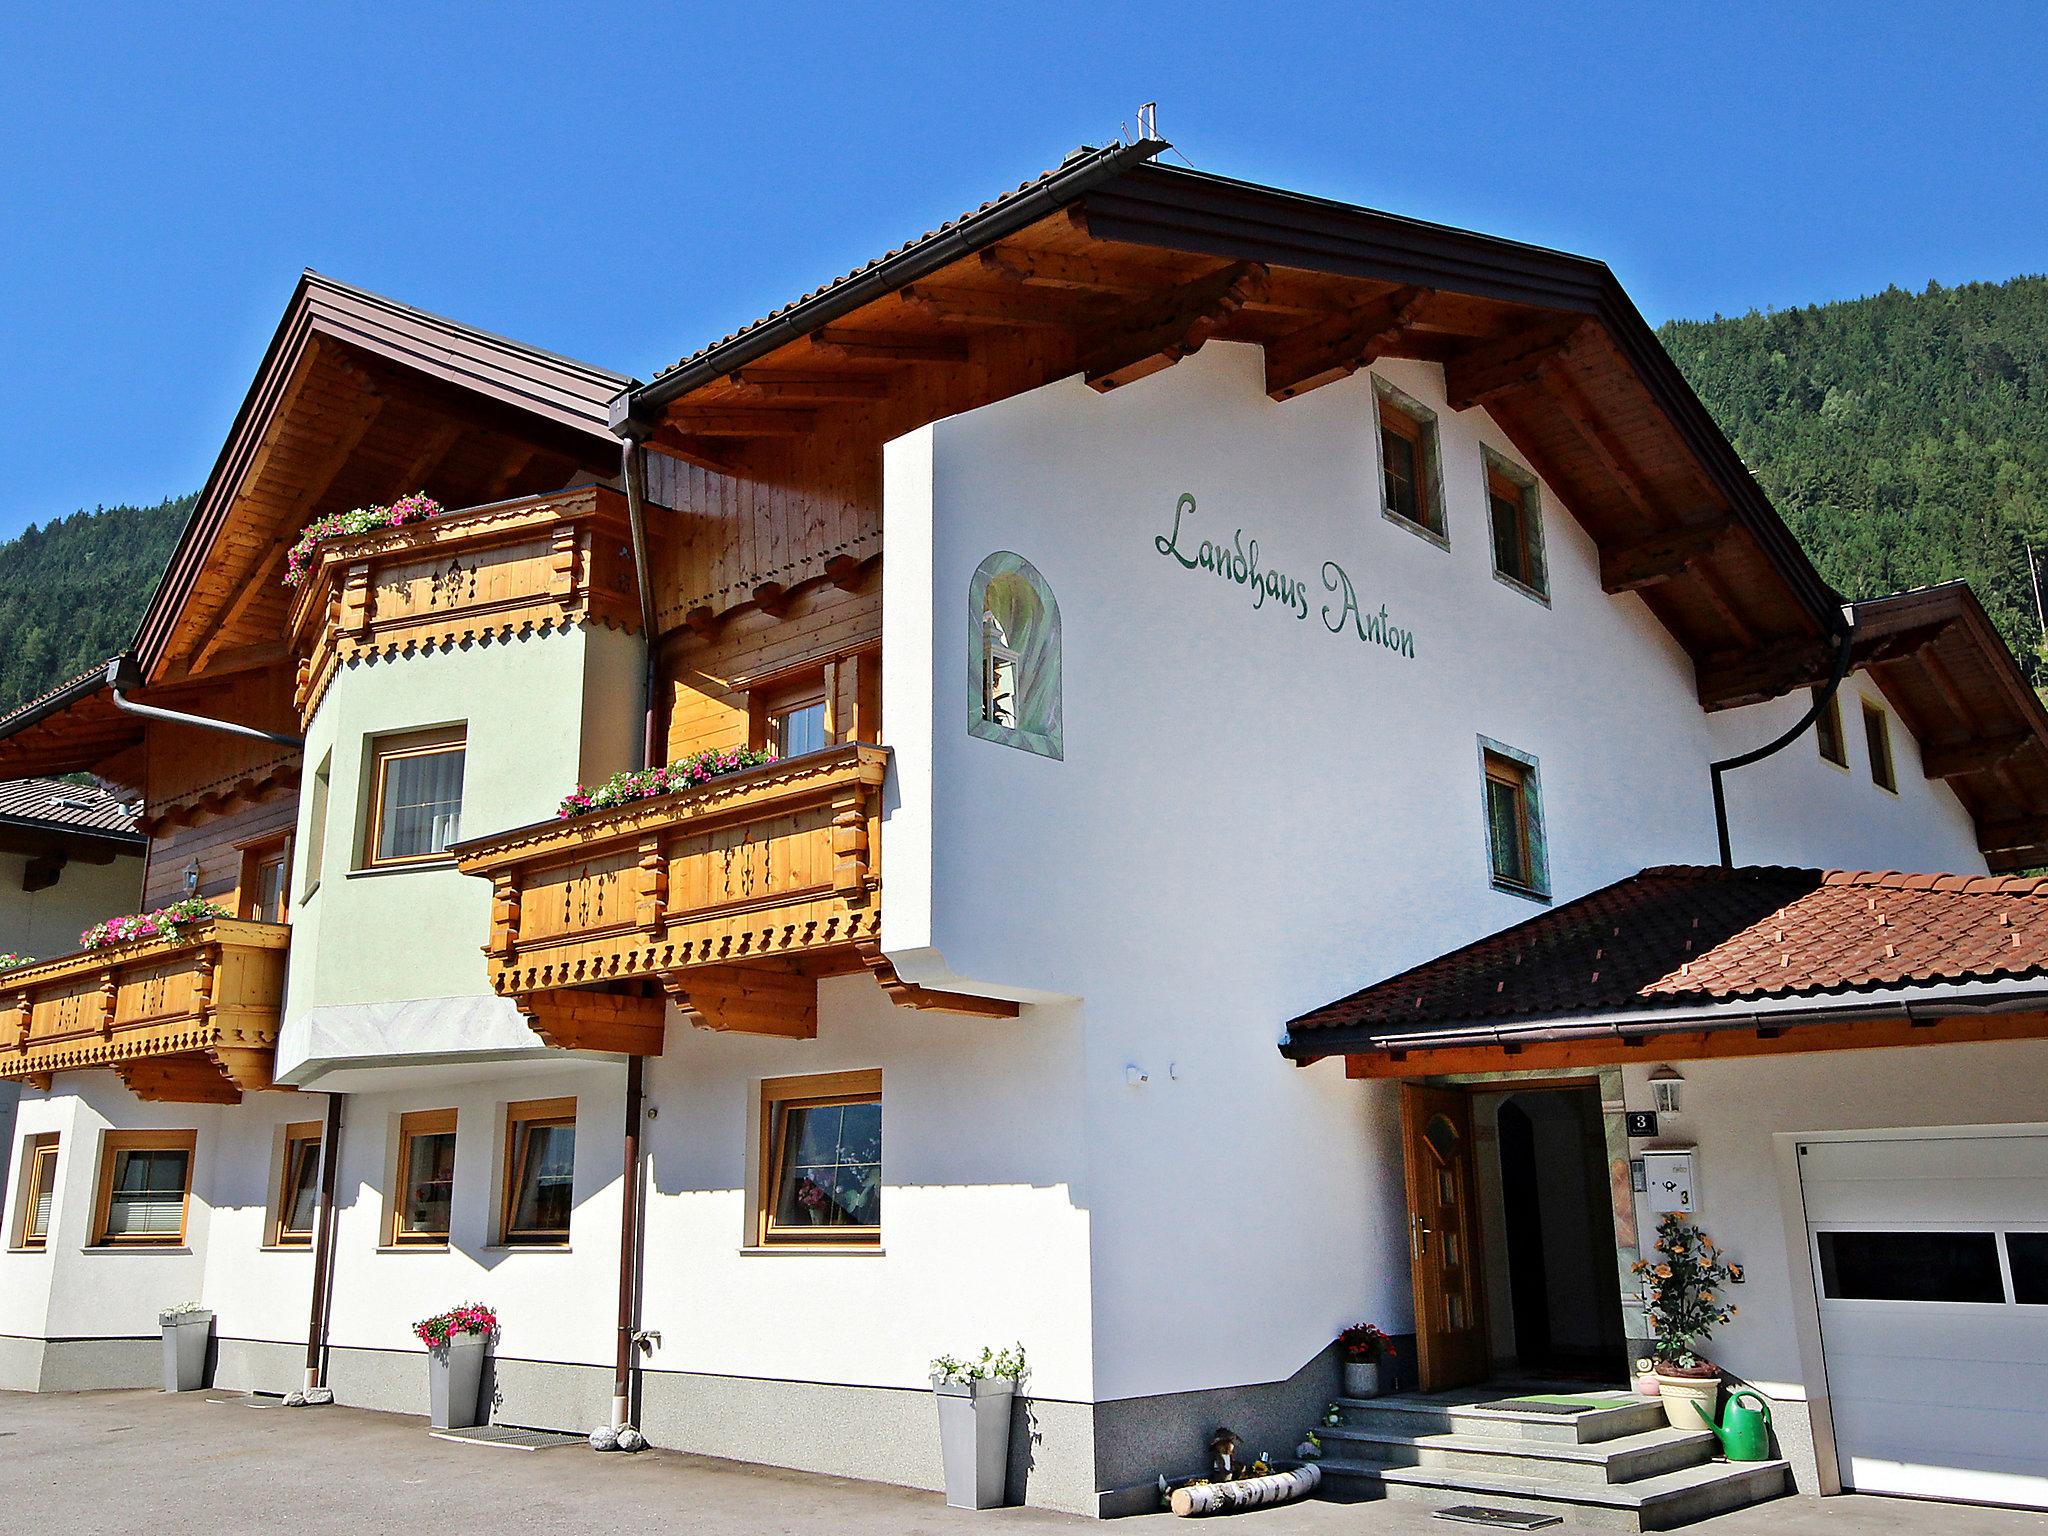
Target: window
column 1877, row 735
column 416, row 810
column 298, row 1187
column 791, row 719
column 1910, row 1266
column 540, row 1172
column 316, row 825
column 1411, row 483
column 1827, row 731
column 821, row 1178
column 39, row 1191
column 426, row 1179
column 145, row 1187
column 1514, row 510
column 2026, row 1256
column 1014, row 664
column 264, row 887
column 1515, row 850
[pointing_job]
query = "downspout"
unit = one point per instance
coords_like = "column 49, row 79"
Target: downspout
column 629, row 1251
column 122, row 673
column 1844, row 644
column 632, row 474
column 323, row 1248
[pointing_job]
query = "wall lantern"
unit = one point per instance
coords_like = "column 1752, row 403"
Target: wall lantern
column 1664, row 1085
column 192, row 877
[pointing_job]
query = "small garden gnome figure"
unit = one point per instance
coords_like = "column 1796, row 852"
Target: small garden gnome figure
column 1222, row 1456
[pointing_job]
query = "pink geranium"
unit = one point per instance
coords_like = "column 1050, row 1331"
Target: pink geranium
column 647, row 783
column 416, row 508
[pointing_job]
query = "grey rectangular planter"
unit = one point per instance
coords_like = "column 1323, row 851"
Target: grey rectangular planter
column 185, row 1341
column 974, row 1439
column 455, row 1373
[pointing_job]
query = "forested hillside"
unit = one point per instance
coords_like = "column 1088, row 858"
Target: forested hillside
column 1904, row 436
column 73, row 589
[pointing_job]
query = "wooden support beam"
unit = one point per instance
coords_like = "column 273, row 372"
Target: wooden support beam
column 1052, row 269
column 1789, row 1040
column 772, row 598
column 1976, row 754
column 182, row 1078
column 765, row 999
column 1337, row 347
column 2012, row 832
column 1479, row 373
column 888, row 346
column 1159, row 333
column 844, row 572
column 1900, row 645
column 1605, row 448
column 584, row 1019
column 714, row 454
column 741, row 421
column 777, row 384
column 1038, row 308
column 1631, row 567
column 1763, row 672
column 906, row 994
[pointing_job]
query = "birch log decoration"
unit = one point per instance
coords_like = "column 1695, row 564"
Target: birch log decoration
column 1247, row 1492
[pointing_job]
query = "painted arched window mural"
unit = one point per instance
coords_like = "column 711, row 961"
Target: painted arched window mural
column 1014, row 652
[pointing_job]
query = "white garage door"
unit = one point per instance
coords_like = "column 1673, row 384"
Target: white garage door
column 1930, row 1261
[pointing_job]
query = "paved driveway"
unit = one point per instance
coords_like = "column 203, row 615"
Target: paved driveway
column 151, row 1465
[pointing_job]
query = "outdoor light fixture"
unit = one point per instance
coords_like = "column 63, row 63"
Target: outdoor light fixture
column 1664, row 1086
column 192, row 877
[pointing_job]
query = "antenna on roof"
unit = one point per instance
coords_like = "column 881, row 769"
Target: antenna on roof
column 1148, row 120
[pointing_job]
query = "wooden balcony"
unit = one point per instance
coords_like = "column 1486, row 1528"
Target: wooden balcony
column 730, row 899
column 517, row 567
column 191, row 1020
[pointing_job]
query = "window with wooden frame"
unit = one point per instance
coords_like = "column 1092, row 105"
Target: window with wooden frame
column 145, row 1189
column 1877, row 736
column 38, row 1191
column 1515, row 518
column 298, row 1187
column 415, row 797
column 1516, row 855
column 264, row 886
column 425, row 1187
column 789, row 717
column 540, row 1173
column 1827, row 729
column 1411, row 481
column 821, row 1160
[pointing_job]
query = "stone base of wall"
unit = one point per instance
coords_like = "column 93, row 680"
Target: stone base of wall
column 80, row 1365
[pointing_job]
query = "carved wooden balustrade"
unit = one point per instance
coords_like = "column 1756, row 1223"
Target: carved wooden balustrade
column 191, row 1020
column 730, row 899
column 542, row 563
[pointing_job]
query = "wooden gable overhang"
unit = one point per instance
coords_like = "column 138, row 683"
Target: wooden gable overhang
column 1113, row 267
column 1942, row 665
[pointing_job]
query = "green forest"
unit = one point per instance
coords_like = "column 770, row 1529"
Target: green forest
column 1904, row 437
column 72, row 590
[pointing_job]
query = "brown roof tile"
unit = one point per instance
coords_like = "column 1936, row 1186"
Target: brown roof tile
column 1685, row 935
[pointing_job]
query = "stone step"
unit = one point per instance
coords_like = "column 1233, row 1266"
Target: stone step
column 1618, row 1414
column 1659, row 1503
column 1621, row 1459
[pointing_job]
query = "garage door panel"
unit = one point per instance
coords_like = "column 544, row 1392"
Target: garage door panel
column 1939, row 1395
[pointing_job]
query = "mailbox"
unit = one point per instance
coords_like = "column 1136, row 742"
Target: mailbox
column 1673, row 1181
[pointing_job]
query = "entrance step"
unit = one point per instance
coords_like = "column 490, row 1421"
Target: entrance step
column 1619, row 1459
column 1657, row 1503
column 1604, row 1416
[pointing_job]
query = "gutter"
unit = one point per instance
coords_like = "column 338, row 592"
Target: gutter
column 122, row 673
column 639, row 411
column 1845, row 643
column 632, row 475
column 1723, row 1018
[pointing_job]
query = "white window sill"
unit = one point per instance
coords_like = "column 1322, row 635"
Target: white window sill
column 837, row 1250
column 133, row 1248
column 527, row 1248
column 285, row 1248
column 413, row 1248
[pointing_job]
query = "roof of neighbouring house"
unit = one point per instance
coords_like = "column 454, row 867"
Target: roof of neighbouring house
column 60, row 804
column 1683, row 936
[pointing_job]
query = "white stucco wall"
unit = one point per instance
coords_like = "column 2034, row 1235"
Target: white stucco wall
column 47, row 923
column 1255, row 814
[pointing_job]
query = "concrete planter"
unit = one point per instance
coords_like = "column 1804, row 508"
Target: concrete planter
column 185, row 1339
column 455, row 1375
column 974, row 1439
column 1361, row 1378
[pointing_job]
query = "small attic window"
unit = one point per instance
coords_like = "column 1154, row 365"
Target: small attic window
column 1014, row 664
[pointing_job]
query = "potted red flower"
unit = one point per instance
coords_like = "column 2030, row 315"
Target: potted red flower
column 1363, row 1347
column 455, row 1340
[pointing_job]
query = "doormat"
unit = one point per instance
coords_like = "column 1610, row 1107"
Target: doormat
column 1497, row 1519
column 505, row 1437
column 1554, row 1403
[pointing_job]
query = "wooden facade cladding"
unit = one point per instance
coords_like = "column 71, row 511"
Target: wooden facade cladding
column 520, row 567
column 191, row 1020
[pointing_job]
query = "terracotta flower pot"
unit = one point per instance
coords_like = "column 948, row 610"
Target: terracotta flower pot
column 1681, row 1392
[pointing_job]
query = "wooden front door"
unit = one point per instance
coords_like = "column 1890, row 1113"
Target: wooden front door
column 1450, row 1317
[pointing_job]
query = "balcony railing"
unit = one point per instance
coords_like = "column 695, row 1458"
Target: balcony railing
column 188, row 1020
column 544, row 562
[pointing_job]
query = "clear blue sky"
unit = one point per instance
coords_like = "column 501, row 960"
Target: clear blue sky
column 623, row 183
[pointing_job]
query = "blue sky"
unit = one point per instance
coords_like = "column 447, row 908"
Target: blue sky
column 625, row 182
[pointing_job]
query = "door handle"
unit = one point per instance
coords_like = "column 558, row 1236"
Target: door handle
column 1421, row 1234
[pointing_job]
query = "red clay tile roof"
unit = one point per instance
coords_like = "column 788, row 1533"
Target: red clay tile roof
column 56, row 803
column 1684, row 935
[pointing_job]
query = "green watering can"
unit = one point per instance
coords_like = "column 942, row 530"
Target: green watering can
column 1744, row 1432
